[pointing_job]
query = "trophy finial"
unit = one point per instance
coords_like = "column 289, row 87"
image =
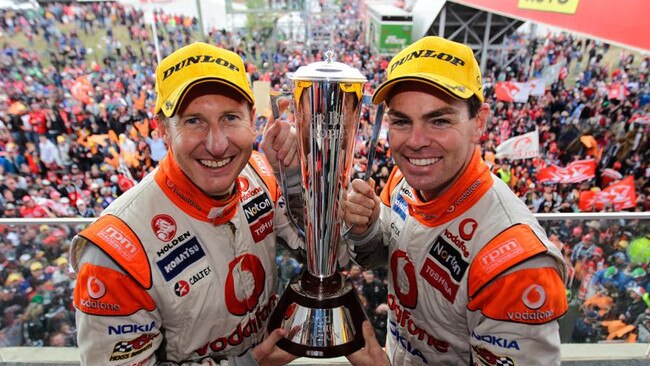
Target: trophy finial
column 329, row 55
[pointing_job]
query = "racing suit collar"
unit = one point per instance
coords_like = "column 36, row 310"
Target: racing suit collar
column 189, row 198
column 475, row 181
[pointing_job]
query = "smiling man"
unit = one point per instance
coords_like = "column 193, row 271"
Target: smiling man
column 181, row 268
column 473, row 279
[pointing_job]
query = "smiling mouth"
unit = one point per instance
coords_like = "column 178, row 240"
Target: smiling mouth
column 214, row 163
column 423, row 162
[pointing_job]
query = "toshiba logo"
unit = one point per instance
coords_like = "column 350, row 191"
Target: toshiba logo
column 501, row 254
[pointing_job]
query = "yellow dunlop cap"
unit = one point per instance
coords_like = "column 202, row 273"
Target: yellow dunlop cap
column 444, row 64
column 195, row 64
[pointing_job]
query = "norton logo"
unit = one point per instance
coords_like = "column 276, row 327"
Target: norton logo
column 96, row 288
column 164, row 227
column 196, row 60
column 534, row 297
column 181, row 288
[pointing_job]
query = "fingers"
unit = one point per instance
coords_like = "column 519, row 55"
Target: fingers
column 369, row 334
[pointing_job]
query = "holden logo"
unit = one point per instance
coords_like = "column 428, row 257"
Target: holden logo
column 181, row 288
column 534, row 297
column 96, row 288
column 164, row 227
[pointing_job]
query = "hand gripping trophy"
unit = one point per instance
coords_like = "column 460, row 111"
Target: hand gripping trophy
column 320, row 308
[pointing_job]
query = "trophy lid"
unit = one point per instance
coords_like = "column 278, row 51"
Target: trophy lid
column 329, row 70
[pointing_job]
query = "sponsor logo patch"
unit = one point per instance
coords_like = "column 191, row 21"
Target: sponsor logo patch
column 450, row 258
column 167, row 247
column 181, row 288
column 257, row 208
column 120, row 242
column 485, row 357
column 164, row 227
column 128, row 349
column 180, row 258
column 439, row 279
column 501, row 254
column 400, row 207
column 496, row 341
column 130, row 328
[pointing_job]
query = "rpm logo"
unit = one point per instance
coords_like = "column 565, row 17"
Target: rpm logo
column 404, row 281
column 534, row 297
column 181, row 288
column 241, row 295
column 467, row 228
column 96, row 288
column 164, row 227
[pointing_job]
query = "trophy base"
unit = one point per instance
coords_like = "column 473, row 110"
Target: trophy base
column 322, row 317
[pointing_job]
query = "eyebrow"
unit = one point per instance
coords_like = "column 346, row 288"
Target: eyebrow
column 433, row 114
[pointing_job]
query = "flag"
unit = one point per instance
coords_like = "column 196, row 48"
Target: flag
column 575, row 172
column 519, row 147
column 620, row 195
column 512, row 91
column 537, row 87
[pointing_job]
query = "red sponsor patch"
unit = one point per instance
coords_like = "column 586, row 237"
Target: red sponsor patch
column 530, row 296
column 164, row 227
column 261, row 228
column 439, row 279
column 103, row 291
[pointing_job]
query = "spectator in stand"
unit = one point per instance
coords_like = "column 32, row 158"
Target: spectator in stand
column 584, row 249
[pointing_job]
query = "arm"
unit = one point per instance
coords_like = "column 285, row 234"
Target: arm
column 363, row 208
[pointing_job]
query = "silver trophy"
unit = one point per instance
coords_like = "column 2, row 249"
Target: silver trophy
column 320, row 308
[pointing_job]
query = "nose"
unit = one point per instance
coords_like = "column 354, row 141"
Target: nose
column 419, row 137
column 216, row 141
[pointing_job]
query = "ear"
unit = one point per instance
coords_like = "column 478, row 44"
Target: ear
column 162, row 128
column 480, row 122
column 253, row 111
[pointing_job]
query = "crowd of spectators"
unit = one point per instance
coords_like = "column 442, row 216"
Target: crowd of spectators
column 77, row 131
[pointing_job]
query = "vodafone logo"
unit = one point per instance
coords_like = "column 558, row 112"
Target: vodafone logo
column 404, row 281
column 534, row 297
column 240, row 297
column 96, row 288
column 467, row 228
column 164, row 227
column 181, row 288
column 243, row 184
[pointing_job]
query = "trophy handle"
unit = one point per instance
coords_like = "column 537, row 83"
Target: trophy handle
column 283, row 177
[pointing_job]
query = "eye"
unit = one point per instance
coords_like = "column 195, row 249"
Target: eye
column 440, row 123
column 191, row 121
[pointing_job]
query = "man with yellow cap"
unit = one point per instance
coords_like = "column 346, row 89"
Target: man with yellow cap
column 180, row 269
column 473, row 278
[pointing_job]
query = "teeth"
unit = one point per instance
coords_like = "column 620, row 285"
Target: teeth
column 422, row 162
column 215, row 164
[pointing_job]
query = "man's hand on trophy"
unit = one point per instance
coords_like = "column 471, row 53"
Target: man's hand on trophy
column 268, row 353
column 361, row 206
column 280, row 140
column 371, row 354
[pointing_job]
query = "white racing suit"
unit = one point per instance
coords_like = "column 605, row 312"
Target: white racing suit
column 473, row 279
column 170, row 274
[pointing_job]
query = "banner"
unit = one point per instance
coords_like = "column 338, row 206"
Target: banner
column 619, row 196
column 512, row 91
column 537, row 87
column 575, row 172
column 519, row 147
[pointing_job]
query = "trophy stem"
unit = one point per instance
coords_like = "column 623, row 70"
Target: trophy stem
column 322, row 317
